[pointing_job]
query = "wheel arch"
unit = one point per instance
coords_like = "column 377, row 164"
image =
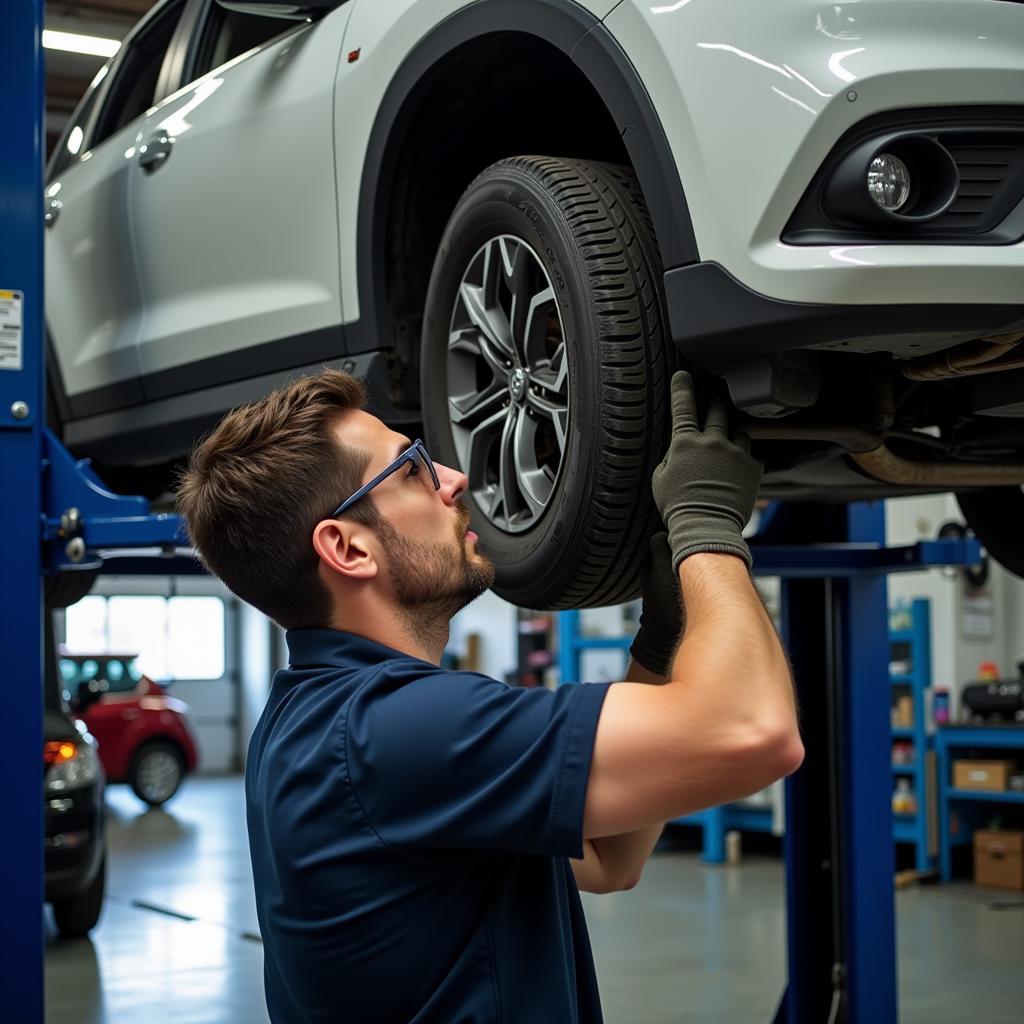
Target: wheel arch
column 564, row 40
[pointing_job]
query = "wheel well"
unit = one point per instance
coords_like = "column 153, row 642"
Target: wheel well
column 536, row 101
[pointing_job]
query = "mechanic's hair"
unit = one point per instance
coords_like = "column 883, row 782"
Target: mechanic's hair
column 255, row 488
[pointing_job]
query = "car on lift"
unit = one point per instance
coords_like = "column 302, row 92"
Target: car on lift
column 145, row 737
column 515, row 219
column 74, row 836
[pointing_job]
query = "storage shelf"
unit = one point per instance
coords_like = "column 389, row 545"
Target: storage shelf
column 1007, row 796
column 963, row 811
column 904, row 829
column 916, row 656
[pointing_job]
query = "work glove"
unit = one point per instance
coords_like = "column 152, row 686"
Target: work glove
column 706, row 485
column 661, row 616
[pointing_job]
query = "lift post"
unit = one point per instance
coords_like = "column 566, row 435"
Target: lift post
column 839, row 839
column 55, row 515
column 21, row 408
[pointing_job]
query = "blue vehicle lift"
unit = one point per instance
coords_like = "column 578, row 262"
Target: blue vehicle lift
column 59, row 518
column 56, row 515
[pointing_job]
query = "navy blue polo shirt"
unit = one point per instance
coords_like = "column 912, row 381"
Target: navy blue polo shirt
column 409, row 830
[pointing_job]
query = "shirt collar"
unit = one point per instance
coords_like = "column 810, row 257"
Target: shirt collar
column 333, row 647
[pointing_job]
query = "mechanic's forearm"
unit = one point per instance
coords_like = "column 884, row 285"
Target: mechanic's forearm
column 730, row 654
column 624, row 856
column 615, row 863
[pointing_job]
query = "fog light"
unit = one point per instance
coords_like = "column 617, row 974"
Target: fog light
column 888, row 182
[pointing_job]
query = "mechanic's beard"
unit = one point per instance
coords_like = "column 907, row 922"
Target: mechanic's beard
column 433, row 580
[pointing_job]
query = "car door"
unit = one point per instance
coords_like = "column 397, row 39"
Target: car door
column 235, row 213
column 93, row 294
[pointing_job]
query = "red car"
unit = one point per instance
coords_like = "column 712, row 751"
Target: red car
column 144, row 735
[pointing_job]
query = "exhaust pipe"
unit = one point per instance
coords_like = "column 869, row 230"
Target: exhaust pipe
column 886, row 465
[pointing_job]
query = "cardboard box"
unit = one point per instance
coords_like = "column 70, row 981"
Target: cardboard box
column 990, row 775
column 905, row 712
column 999, row 860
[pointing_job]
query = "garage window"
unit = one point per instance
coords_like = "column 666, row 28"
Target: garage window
column 174, row 637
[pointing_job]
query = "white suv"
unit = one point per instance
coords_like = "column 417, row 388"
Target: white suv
column 515, row 217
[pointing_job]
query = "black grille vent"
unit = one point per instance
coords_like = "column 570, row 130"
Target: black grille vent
column 988, row 173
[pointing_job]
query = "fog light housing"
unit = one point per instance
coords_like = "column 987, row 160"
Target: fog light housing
column 889, row 182
column 899, row 179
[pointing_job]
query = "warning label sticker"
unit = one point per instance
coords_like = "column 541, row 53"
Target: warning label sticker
column 10, row 330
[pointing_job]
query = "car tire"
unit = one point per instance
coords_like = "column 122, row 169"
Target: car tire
column 996, row 516
column 77, row 915
column 156, row 772
column 559, row 421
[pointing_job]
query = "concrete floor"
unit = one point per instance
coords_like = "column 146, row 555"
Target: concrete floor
column 695, row 944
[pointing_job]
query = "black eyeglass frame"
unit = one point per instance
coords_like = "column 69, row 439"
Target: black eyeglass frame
column 415, row 451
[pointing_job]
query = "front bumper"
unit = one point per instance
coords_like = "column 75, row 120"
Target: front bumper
column 716, row 321
column 73, row 840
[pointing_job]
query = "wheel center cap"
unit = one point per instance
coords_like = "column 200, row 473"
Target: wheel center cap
column 517, row 384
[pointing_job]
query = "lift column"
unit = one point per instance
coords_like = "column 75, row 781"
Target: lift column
column 21, row 604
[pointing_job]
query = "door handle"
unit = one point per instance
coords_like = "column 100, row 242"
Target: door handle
column 52, row 212
column 154, row 153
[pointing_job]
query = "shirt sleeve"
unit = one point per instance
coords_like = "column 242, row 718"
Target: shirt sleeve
column 457, row 759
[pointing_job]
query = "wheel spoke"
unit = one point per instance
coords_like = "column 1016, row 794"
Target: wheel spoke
column 533, row 326
column 534, row 481
column 504, row 502
column 490, row 321
column 520, row 272
column 473, row 446
column 477, row 405
column 468, row 345
column 550, row 395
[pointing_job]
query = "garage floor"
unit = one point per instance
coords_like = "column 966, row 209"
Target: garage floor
column 178, row 941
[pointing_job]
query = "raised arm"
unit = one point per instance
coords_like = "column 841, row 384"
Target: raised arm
column 724, row 724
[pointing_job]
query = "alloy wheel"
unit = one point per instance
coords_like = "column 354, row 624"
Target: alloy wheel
column 508, row 383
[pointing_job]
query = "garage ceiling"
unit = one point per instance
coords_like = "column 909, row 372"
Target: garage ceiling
column 69, row 74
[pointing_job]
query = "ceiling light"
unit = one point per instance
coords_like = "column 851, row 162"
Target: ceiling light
column 72, row 42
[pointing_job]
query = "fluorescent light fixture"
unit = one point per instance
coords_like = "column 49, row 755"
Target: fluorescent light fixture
column 72, row 42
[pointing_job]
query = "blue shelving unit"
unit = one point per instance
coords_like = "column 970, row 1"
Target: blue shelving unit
column 971, row 808
column 917, row 828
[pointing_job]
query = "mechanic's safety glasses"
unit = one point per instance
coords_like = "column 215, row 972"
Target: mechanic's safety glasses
column 415, row 454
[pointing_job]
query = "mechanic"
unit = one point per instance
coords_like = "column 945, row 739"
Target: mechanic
column 419, row 835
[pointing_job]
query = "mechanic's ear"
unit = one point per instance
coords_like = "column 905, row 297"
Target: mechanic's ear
column 345, row 548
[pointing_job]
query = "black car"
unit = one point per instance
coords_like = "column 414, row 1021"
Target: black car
column 74, row 839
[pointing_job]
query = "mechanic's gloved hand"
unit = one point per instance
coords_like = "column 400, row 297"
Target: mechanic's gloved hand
column 706, row 485
column 661, row 618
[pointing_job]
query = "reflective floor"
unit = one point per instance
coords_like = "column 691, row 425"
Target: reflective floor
column 177, row 940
